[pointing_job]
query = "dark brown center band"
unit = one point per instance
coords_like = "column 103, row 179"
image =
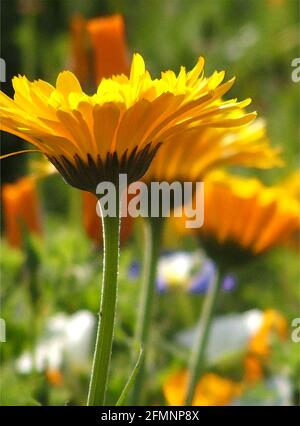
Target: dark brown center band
column 87, row 173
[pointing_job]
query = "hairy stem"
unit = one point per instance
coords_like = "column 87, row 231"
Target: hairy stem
column 104, row 339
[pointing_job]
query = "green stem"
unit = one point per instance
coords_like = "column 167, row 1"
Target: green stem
column 104, row 339
column 154, row 228
column 196, row 367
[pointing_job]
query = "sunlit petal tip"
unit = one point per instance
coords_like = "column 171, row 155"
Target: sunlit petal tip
column 248, row 118
column 247, row 102
column 137, row 66
column 197, row 72
column 199, row 65
column 19, row 82
column 67, row 82
column 231, row 81
column 201, row 61
column 216, row 79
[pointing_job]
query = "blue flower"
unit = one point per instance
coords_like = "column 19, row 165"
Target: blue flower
column 134, row 270
column 201, row 282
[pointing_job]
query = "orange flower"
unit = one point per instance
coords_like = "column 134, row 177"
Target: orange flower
column 107, row 35
column 253, row 369
column 54, row 377
column 21, row 208
column 80, row 50
column 211, row 389
column 98, row 48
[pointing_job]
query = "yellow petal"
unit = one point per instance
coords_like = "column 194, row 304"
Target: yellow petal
column 67, row 83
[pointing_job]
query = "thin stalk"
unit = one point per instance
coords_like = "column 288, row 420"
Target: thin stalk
column 153, row 228
column 104, row 339
column 196, row 366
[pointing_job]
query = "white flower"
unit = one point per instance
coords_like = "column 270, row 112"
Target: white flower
column 67, row 339
column 175, row 269
column 230, row 334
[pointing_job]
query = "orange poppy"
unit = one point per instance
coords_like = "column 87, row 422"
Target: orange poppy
column 110, row 51
column 20, row 208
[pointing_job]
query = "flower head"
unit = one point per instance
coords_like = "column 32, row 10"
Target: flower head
column 189, row 156
column 91, row 138
column 211, row 389
column 244, row 216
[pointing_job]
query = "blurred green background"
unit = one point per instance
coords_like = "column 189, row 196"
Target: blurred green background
column 254, row 40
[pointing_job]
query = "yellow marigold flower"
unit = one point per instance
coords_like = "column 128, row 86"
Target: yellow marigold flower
column 190, row 156
column 21, row 208
column 118, row 129
column 212, row 390
column 244, row 216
